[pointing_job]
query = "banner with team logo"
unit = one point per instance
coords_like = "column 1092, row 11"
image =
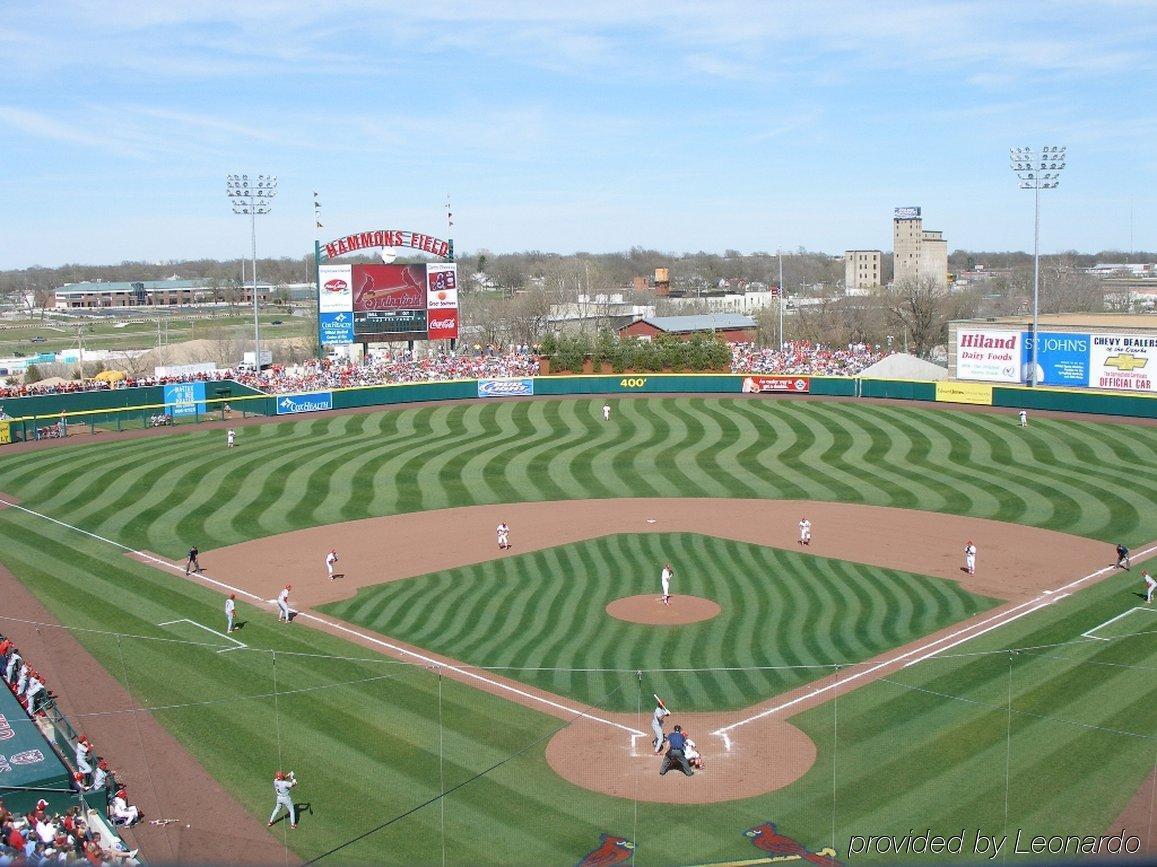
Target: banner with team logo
column 1123, row 362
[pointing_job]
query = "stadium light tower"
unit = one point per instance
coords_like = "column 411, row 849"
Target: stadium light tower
column 252, row 199
column 1037, row 172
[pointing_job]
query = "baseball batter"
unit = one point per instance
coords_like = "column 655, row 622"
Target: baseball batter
column 970, row 558
column 282, row 783
column 660, row 714
column 606, row 412
column 1150, row 586
column 805, row 531
column 665, row 579
column 283, row 603
column 503, row 536
column 230, row 611
column 330, row 562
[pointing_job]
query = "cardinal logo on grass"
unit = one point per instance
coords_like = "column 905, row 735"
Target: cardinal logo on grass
column 612, row 850
column 768, row 839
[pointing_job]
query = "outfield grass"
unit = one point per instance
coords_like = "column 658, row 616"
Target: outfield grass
column 787, row 617
column 929, row 746
column 166, row 493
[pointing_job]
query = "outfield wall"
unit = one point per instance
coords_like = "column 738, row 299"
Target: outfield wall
column 133, row 407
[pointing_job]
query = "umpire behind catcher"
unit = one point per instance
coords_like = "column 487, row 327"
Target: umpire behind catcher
column 677, row 741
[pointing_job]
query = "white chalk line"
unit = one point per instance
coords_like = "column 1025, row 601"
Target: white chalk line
column 338, row 626
column 1044, row 599
column 237, row 644
column 1089, row 634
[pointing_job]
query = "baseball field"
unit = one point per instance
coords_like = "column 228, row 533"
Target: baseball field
column 444, row 701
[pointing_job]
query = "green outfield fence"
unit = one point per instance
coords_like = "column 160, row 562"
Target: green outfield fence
column 134, row 408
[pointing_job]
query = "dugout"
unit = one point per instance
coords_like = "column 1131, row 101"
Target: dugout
column 29, row 768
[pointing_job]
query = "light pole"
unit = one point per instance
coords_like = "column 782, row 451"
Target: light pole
column 779, row 255
column 1037, row 172
column 252, row 200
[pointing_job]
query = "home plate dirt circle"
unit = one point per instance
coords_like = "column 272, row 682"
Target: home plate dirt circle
column 649, row 609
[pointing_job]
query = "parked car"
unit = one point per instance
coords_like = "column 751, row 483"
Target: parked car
column 39, row 339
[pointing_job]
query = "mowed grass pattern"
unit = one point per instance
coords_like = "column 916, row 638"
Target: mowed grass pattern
column 168, row 492
column 787, row 618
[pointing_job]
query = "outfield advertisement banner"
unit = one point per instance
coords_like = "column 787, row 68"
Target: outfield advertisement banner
column 442, row 324
column 1123, row 362
column 336, row 329
column 766, row 384
column 292, row 404
column 505, row 387
column 993, row 356
column 1062, row 359
column 335, row 293
column 185, row 399
column 964, row 392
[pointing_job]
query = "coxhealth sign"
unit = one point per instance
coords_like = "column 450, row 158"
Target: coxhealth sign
column 505, row 387
column 993, row 356
column 1062, row 359
column 185, row 398
column 290, row 404
column 336, row 328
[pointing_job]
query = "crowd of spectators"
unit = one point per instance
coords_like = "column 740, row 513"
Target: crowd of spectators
column 52, row 836
column 801, row 358
column 403, row 366
column 797, row 357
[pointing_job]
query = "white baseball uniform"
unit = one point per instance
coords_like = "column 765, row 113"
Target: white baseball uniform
column 330, row 559
column 284, row 799
column 970, row 558
column 1150, row 586
column 691, row 752
column 283, row 604
column 1023, row 418
column 230, row 613
column 231, row 438
column 805, row 531
column 661, row 713
column 606, row 412
column 665, row 579
column 503, row 535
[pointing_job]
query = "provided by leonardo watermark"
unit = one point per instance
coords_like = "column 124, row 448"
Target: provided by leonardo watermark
column 978, row 844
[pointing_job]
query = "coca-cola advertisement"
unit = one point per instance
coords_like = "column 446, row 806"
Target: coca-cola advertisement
column 389, row 287
column 443, row 324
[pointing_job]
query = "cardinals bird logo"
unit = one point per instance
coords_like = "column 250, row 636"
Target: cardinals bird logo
column 611, row 850
column 765, row 837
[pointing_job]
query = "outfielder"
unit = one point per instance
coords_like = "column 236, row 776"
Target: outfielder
column 970, row 558
column 231, row 438
column 503, row 536
column 283, row 603
column 282, row 783
column 1023, row 418
column 230, row 611
column 330, row 560
column 1150, row 586
column 665, row 580
column 606, row 411
column 660, row 714
column 805, row 531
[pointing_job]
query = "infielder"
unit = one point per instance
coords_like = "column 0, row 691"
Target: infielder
column 660, row 714
column 970, row 558
column 606, row 411
column 231, row 438
column 665, row 580
column 282, row 783
column 503, row 536
column 192, row 563
column 330, row 560
column 230, row 611
column 1150, row 586
column 283, row 603
column 805, row 531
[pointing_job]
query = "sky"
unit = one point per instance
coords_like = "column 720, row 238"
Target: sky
column 564, row 126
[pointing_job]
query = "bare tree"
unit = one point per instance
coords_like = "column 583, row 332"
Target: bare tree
column 919, row 307
column 1064, row 288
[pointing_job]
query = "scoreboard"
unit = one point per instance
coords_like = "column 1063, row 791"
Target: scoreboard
column 365, row 303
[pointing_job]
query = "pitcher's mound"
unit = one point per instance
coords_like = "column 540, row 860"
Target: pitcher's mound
column 650, row 609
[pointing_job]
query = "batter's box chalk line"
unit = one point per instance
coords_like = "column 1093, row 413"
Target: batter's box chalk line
column 237, row 644
column 1123, row 614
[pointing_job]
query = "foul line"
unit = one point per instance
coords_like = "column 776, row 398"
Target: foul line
column 335, row 625
column 1044, row 599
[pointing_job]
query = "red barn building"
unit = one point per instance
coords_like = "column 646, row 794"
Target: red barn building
column 732, row 327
